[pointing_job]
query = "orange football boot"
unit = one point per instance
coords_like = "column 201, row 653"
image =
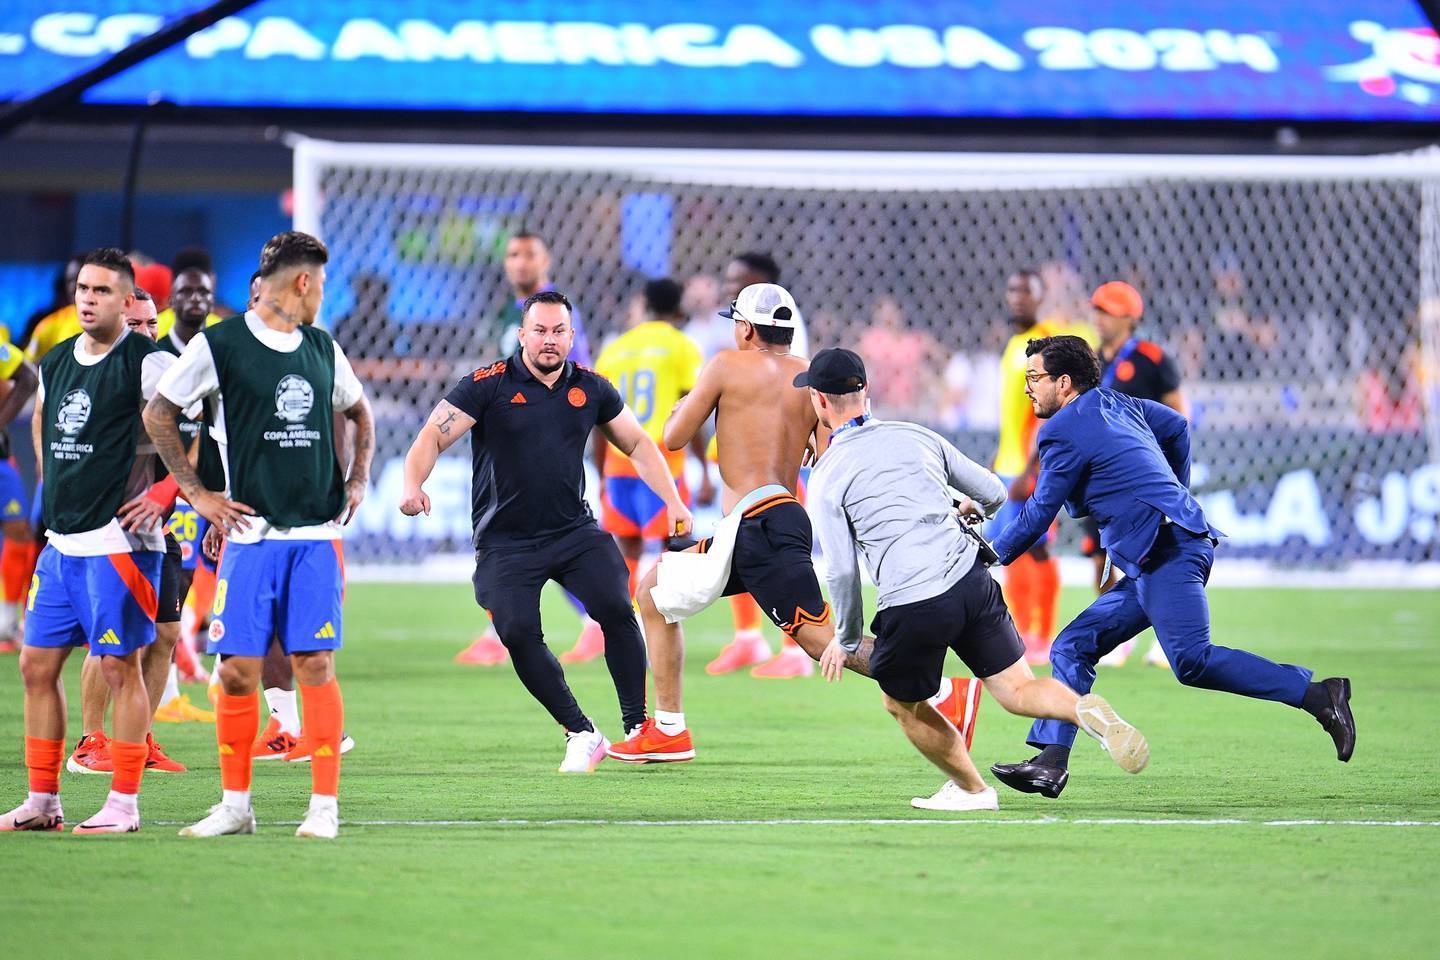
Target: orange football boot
column 789, row 663
column 157, row 761
column 743, row 651
column 962, row 706
column 273, row 743
column 590, row 645
column 649, row 744
column 486, row 651
column 91, row 755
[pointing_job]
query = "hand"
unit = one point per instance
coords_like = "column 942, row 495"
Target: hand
column 681, row 523
column 808, row 458
column 970, row 512
column 1022, row 486
column 832, row 662
column 355, row 490
column 415, row 502
column 229, row 515
column 211, row 544
column 706, row 494
column 141, row 514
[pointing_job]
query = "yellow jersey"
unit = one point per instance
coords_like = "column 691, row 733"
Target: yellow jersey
column 55, row 328
column 10, row 360
column 653, row 365
column 166, row 321
column 1018, row 423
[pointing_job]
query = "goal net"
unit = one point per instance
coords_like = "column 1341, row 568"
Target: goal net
column 1300, row 298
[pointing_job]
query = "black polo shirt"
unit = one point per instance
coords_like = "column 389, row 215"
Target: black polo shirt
column 1143, row 371
column 527, row 447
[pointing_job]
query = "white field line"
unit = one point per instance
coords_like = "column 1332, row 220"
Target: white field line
column 1038, row 821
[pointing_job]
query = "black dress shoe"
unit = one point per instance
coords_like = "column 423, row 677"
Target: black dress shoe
column 1337, row 719
column 1031, row 776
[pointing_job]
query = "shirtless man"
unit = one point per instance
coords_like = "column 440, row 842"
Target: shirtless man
column 764, row 426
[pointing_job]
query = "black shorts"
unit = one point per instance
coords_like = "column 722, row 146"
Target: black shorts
column 1090, row 543
column 168, row 610
column 969, row 618
column 772, row 562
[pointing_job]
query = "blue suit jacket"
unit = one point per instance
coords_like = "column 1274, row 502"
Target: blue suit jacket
column 1123, row 461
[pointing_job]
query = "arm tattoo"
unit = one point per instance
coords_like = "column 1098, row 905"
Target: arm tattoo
column 364, row 440
column 444, row 425
column 159, row 418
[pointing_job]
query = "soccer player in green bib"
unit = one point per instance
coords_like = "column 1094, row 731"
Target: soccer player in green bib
column 96, row 583
column 271, row 381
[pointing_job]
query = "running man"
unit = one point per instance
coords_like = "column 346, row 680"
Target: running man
column 529, row 418
column 883, row 488
column 272, row 381
column 96, row 583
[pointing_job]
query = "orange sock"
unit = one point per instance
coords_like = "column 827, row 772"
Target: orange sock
column 1020, row 592
column 634, row 567
column 129, row 759
column 237, row 721
column 44, row 758
column 17, row 565
column 324, row 726
column 746, row 611
column 1047, row 597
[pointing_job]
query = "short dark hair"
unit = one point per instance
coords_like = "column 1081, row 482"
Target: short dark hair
column 1067, row 355
column 778, row 336
column 546, row 296
column 526, row 234
column 192, row 258
column 761, row 263
column 663, row 297
column 111, row 258
column 292, row 249
column 255, row 276
column 143, row 295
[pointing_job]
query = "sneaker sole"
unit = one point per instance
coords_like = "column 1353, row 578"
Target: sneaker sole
column 246, row 831
column 675, row 757
column 57, row 827
column 82, row 831
column 1126, row 745
column 74, row 767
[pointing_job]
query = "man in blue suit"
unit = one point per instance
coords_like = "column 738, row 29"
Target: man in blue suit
column 1126, row 462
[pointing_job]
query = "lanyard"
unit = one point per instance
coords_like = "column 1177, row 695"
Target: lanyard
column 1108, row 379
column 859, row 421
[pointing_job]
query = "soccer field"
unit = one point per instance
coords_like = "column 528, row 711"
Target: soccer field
column 791, row 834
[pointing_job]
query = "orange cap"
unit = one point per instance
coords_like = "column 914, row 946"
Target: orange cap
column 156, row 279
column 1118, row 299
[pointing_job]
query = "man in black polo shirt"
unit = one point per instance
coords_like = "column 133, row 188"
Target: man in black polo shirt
column 529, row 418
column 1141, row 369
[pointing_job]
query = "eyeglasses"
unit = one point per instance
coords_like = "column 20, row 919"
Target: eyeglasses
column 735, row 313
column 1034, row 378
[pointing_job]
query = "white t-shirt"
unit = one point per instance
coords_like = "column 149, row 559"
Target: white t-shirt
column 112, row 538
column 194, row 378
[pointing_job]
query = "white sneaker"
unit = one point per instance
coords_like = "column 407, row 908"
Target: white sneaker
column 1125, row 744
column 1118, row 656
column 584, row 750
column 952, row 797
column 1156, row 656
column 321, row 821
column 223, row 820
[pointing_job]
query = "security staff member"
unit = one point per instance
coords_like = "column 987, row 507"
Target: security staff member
column 529, row 418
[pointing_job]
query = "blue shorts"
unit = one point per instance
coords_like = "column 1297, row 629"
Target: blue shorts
column 1008, row 513
column 629, row 508
column 291, row 589
column 108, row 602
column 14, row 505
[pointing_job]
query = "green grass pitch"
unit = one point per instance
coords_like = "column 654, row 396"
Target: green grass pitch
column 439, row 742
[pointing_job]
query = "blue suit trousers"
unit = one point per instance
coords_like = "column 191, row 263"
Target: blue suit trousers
column 1169, row 594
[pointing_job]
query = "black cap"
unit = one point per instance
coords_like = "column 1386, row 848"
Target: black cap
column 834, row 370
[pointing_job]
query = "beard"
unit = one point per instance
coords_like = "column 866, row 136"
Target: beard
column 547, row 363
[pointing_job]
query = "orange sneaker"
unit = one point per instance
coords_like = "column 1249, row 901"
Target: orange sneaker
column 92, row 755
column 181, row 710
column 590, row 645
column 790, row 662
column 305, row 748
column 273, row 743
column 738, row 654
column 486, row 651
column 157, row 762
column 962, row 706
column 649, row 744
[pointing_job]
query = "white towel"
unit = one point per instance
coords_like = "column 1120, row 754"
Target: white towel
column 687, row 583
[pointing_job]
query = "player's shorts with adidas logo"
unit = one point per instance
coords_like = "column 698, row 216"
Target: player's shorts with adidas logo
column 14, row 505
column 772, row 560
column 108, row 601
column 289, row 588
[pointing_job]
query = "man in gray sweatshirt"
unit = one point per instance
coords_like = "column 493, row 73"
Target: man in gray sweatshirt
column 883, row 490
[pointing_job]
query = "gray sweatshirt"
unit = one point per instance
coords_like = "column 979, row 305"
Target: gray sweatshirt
column 884, row 487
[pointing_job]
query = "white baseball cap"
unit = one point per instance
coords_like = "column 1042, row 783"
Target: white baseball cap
column 766, row 305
